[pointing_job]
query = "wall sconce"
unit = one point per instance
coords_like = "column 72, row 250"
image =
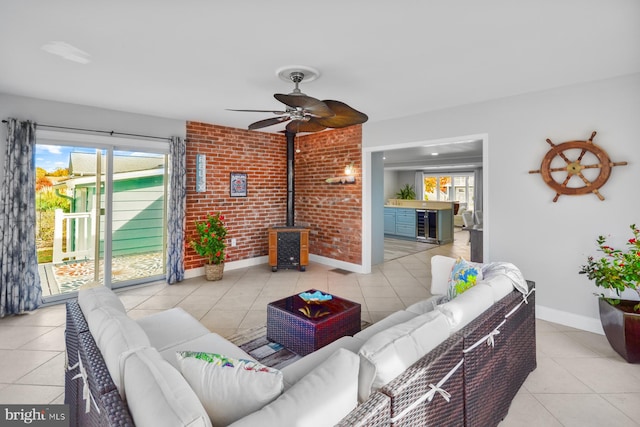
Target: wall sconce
column 348, row 170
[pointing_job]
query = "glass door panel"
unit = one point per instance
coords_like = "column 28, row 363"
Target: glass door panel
column 69, row 190
column 137, row 217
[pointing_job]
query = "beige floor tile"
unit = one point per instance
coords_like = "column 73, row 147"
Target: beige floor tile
column 412, row 291
column 182, row 288
column 29, row 394
column 557, row 344
column 17, row 363
column 49, row 373
column 629, row 403
column 379, row 291
column 218, row 319
column 160, row 302
column 552, row 377
column 52, row 340
column 584, row 410
column 384, row 304
column 526, row 411
column 254, row 318
column 137, row 314
column 237, row 302
column 132, row 301
column 595, row 342
column 12, row 337
column 603, row 375
column 54, row 315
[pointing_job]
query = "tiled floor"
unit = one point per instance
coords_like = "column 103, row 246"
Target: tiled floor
column 579, row 381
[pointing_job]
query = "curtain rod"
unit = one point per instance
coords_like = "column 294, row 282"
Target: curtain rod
column 109, row 132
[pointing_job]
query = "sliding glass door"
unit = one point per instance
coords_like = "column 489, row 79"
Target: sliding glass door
column 101, row 216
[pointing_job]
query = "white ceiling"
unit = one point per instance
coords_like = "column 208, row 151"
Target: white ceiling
column 193, row 59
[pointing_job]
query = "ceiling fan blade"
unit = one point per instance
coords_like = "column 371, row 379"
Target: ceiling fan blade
column 268, row 122
column 259, row 111
column 305, row 126
column 344, row 115
column 314, row 106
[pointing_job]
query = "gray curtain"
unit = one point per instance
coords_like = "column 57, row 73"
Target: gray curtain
column 177, row 207
column 20, row 289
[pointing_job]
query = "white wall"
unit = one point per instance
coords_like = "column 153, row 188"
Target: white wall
column 547, row 241
column 71, row 115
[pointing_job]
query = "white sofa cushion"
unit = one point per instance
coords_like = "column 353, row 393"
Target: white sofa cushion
column 500, row 285
column 321, row 399
column 157, row 395
column 115, row 335
column 426, row 305
column 467, row 306
column 295, row 371
column 170, row 327
column 91, row 298
column 393, row 319
column 440, row 272
column 388, row 353
column 229, row 388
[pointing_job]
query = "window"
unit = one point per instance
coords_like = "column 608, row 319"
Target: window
column 454, row 188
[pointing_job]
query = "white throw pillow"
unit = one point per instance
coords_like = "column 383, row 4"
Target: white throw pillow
column 390, row 352
column 440, row 272
column 228, row 388
column 157, row 395
column 320, row 399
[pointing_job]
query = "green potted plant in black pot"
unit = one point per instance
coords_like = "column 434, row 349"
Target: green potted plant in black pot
column 618, row 270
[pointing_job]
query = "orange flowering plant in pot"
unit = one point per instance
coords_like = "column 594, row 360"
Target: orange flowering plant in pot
column 210, row 243
column 618, row 270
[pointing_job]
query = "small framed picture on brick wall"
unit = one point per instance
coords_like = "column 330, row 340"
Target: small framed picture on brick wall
column 238, row 184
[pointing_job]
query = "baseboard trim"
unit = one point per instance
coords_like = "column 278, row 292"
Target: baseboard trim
column 577, row 321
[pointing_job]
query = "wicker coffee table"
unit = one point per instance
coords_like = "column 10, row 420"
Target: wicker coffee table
column 304, row 327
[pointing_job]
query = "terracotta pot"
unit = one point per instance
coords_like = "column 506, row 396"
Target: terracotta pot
column 622, row 328
column 214, row 271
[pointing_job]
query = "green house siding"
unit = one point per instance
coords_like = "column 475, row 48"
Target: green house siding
column 138, row 214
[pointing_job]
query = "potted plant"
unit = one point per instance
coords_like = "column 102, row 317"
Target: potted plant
column 406, row 193
column 617, row 271
column 210, row 243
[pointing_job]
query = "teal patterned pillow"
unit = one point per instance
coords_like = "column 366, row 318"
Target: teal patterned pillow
column 464, row 275
column 229, row 388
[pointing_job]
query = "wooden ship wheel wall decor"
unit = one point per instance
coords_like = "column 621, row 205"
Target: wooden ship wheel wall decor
column 579, row 160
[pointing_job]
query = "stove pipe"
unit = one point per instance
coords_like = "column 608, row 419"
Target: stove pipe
column 290, row 178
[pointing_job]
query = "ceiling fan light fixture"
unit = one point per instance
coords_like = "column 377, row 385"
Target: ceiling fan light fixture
column 309, row 74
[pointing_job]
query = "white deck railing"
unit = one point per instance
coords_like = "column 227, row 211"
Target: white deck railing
column 77, row 226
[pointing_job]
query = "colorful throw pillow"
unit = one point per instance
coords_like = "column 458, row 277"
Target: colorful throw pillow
column 229, row 388
column 464, row 275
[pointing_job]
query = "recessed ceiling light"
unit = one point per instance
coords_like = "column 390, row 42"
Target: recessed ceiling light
column 66, row 51
column 434, row 154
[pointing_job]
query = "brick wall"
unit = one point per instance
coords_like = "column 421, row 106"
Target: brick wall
column 263, row 157
column 333, row 212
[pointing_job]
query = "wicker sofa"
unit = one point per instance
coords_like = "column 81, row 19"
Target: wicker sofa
column 469, row 378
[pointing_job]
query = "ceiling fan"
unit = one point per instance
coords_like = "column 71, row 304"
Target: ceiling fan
column 307, row 114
